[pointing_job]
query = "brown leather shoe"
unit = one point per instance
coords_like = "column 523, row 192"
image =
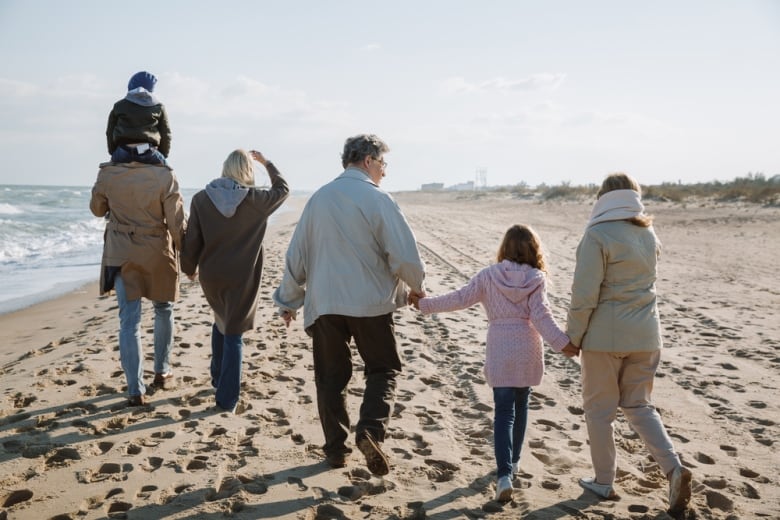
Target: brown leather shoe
column 336, row 460
column 376, row 460
column 137, row 400
column 164, row 381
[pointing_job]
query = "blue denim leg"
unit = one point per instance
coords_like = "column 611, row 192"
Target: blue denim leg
column 227, row 367
column 130, row 339
column 217, row 345
column 151, row 156
column 163, row 336
column 511, row 416
column 521, row 421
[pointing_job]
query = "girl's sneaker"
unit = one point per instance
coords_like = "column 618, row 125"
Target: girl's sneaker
column 515, row 468
column 504, row 489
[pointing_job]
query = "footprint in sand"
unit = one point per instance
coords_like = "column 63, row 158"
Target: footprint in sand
column 62, row 457
column 199, row 462
column 440, row 470
column 146, row 492
column 17, row 497
column 152, row 464
column 116, row 509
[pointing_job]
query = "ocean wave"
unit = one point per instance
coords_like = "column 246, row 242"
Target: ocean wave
column 9, row 209
column 20, row 244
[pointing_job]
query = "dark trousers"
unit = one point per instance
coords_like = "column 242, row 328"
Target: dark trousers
column 375, row 340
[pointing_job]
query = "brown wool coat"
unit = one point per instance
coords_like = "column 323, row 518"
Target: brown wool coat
column 227, row 252
column 144, row 231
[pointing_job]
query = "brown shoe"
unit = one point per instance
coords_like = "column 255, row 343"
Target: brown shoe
column 376, row 461
column 164, row 381
column 336, row 460
column 137, row 400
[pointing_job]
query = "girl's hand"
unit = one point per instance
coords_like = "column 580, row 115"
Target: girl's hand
column 570, row 350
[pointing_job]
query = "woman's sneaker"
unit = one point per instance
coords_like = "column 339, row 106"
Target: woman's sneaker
column 602, row 490
column 504, row 489
column 515, row 468
column 679, row 489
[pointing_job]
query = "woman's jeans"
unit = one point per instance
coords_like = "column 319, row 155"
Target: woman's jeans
column 226, row 355
column 130, row 351
column 511, row 417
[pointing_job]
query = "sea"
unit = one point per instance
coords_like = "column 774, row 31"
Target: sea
column 50, row 243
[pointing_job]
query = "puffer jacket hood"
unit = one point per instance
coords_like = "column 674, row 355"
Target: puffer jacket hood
column 141, row 96
column 515, row 281
column 226, row 194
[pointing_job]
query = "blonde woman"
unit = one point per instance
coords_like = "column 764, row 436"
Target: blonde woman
column 224, row 245
column 614, row 319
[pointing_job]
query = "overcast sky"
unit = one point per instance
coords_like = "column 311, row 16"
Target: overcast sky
column 534, row 92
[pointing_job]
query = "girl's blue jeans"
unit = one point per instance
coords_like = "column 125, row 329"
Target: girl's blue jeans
column 511, row 417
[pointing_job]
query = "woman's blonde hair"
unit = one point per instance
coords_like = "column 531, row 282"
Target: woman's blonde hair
column 238, row 166
column 623, row 181
column 522, row 245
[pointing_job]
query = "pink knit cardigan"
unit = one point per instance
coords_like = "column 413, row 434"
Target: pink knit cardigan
column 515, row 300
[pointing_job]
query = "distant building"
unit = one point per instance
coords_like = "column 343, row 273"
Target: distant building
column 464, row 186
column 432, row 186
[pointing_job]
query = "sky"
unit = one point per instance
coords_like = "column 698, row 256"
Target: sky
column 512, row 91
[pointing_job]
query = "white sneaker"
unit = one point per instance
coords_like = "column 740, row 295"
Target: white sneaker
column 679, row 489
column 602, row 490
column 515, row 468
column 504, row 489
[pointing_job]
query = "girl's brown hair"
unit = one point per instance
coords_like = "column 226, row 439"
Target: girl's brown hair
column 623, row 181
column 521, row 245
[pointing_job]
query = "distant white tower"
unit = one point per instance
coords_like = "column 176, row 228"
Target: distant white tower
column 480, row 181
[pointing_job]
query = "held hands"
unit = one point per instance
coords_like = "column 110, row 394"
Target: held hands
column 571, row 350
column 413, row 298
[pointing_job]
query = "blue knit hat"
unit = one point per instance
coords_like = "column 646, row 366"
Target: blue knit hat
column 142, row 79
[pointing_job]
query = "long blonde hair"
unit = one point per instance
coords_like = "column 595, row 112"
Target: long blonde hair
column 623, row 181
column 522, row 245
column 238, row 166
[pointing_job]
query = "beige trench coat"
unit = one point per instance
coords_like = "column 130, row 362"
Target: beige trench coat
column 145, row 228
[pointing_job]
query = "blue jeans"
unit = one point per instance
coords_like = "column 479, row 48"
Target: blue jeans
column 511, row 417
column 125, row 155
column 130, row 352
column 226, row 355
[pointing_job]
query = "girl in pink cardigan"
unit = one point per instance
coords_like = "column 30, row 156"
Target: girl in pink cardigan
column 514, row 296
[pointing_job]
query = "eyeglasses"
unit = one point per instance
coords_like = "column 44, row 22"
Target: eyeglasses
column 382, row 162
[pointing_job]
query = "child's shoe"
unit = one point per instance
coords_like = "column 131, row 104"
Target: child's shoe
column 504, row 489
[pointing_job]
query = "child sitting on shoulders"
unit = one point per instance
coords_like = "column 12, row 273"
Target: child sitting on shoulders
column 138, row 125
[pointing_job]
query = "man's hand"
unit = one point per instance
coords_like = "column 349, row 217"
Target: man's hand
column 413, row 298
column 287, row 316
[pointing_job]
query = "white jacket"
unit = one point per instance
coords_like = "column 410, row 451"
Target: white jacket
column 351, row 253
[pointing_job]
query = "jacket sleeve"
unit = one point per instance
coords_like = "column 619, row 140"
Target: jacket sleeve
column 586, row 286
column 463, row 298
column 192, row 245
column 98, row 203
column 165, row 132
column 393, row 232
column 271, row 199
column 173, row 209
column 543, row 320
column 112, row 118
column 290, row 294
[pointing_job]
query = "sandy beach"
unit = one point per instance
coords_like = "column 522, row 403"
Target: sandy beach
column 69, row 449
